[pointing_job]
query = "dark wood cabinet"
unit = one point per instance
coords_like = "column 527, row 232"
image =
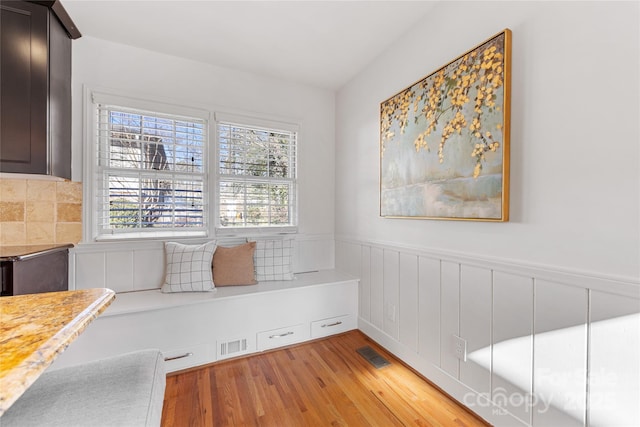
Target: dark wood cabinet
column 35, row 88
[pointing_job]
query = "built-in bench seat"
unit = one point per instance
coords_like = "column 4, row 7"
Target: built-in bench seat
column 154, row 299
column 126, row 390
column 196, row 328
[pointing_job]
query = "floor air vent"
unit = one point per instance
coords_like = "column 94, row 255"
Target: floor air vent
column 373, row 357
column 231, row 348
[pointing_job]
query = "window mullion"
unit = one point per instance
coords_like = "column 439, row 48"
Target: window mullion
column 269, row 204
column 140, row 186
column 246, row 207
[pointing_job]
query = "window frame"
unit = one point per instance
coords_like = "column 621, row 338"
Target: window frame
column 91, row 191
column 266, row 124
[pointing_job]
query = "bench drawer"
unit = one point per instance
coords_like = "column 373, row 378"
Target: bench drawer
column 175, row 360
column 330, row 326
column 282, row 336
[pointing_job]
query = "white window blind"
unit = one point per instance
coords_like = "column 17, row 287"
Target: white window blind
column 256, row 176
column 151, row 171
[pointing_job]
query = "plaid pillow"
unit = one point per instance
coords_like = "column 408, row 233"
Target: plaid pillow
column 188, row 267
column 273, row 259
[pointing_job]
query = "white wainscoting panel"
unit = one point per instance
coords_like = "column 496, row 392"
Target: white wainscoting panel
column 429, row 309
column 614, row 371
column 544, row 347
column 560, row 354
column 126, row 266
column 512, row 369
column 364, row 300
column 119, row 269
column 89, row 269
column 148, row 268
column 408, row 321
column 316, row 252
column 449, row 316
column 475, row 327
column 391, row 292
column 377, row 288
column 351, row 258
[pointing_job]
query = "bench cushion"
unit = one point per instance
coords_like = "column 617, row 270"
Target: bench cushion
column 125, row 390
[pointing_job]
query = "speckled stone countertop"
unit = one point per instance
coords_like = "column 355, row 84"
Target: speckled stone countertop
column 35, row 328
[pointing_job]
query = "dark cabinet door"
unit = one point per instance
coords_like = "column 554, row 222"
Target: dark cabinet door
column 35, row 92
column 59, row 100
column 24, row 87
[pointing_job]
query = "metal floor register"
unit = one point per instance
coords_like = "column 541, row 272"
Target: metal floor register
column 373, row 357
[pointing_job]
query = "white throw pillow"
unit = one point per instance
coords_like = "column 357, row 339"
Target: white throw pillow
column 273, row 259
column 188, row 267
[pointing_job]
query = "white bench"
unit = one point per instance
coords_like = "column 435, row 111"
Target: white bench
column 193, row 329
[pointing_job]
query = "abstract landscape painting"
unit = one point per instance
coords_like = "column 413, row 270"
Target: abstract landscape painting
column 444, row 141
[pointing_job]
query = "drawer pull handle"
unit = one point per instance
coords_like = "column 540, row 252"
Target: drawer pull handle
column 182, row 356
column 281, row 335
column 328, row 325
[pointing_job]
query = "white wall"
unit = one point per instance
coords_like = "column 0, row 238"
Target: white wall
column 549, row 303
column 575, row 175
column 150, row 75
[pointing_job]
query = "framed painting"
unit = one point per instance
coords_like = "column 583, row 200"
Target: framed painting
column 444, row 141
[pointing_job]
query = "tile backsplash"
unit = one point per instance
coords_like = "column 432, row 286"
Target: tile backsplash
column 40, row 211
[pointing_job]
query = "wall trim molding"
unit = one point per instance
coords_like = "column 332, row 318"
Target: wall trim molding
column 618, row 285
column 112, row 246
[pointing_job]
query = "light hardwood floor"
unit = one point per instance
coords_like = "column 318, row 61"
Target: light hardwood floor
column 320, row 383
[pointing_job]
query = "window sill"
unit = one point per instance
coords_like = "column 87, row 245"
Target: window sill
column 160, row 235
column 255, row 231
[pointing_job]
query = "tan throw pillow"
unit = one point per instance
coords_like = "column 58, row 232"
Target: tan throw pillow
column 234, row 265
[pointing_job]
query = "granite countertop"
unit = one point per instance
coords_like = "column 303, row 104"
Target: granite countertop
column 16, row 253
column 35, row 328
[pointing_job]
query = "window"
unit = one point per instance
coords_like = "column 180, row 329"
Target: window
column 150, row 170
column 256, row 175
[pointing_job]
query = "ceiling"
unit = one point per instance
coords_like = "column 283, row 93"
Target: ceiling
column 320, row 43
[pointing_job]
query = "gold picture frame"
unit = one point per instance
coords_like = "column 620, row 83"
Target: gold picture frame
column 444, row 140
